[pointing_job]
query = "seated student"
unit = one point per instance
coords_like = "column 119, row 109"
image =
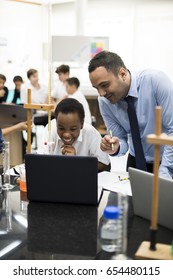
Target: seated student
column 3, row 89
column 18, row 81
column 71, row 136
column 72, row 88
column 39, row 91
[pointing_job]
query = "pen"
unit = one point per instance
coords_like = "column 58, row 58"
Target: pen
column 112, row 145
column 122, row 179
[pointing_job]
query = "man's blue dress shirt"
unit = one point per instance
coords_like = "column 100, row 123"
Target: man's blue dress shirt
column 150, row 88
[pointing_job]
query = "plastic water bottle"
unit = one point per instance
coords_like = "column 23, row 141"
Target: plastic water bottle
column 110, row 230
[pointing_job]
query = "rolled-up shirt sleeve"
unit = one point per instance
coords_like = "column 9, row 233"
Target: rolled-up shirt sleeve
column 112, row 124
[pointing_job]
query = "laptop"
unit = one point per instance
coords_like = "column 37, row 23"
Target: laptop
column 12, row 114
column 64, row 179
column 141, row 185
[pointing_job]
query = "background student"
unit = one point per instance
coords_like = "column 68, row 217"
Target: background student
column 39, row 91
column 59, row 90
column 18, row 81
column 71, row 136
column 72, row 88
column 3, row 89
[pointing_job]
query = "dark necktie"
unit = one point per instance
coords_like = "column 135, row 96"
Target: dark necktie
column 134, row 126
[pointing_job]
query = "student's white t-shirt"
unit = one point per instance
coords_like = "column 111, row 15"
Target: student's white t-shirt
column 59, row 91
column 78, row 95
column 87, row 144
column 38, row 96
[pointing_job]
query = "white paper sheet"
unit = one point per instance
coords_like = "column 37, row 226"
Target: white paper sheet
column 110, row 181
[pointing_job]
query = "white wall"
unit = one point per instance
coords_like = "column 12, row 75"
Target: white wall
column 21, row 25
column 140, row 31
column 63, row 19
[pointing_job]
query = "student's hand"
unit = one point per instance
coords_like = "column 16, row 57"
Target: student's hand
column 106, row 144
column 21, row 126
column 2, row 93
column 68, row 150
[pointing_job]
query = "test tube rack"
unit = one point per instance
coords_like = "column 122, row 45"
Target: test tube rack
column 152, row 250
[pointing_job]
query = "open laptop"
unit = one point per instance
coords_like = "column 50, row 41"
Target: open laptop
column 12, row 114
column 141, row 185
column 65, row 179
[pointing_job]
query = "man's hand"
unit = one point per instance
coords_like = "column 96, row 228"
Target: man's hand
column 2, row 93
column 68, row 150
column 109, row 144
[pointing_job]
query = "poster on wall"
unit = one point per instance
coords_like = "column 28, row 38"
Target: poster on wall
column 98, row 45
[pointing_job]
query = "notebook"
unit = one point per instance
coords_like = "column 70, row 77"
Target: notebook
column 65, row 179
column 141, row 185
column 12, row 114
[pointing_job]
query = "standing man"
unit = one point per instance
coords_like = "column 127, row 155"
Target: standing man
column 119, row 91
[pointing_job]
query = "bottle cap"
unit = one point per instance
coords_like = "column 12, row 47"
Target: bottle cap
column 111, row 212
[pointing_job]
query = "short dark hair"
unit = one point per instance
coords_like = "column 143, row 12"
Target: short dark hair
column 2, row 77
column 63, row 69
column 111, row 61
column 73, row 81
column 17, row 79
column 70, row 105
column 31, row 72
